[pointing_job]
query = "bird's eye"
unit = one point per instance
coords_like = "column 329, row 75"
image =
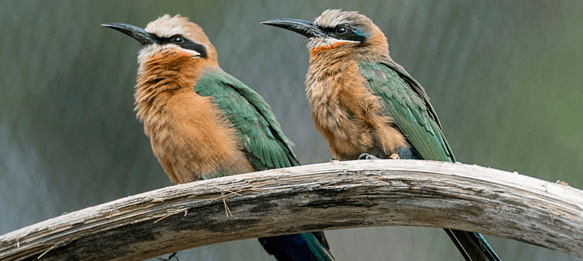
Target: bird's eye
column 177, row 39
column 341, row 30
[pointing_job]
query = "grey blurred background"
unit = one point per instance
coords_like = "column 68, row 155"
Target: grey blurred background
column 504, row 76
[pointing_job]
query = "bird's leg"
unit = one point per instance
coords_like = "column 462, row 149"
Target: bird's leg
column 173, row 255
column 366, row 156
column 560, row 182
column 395, row 156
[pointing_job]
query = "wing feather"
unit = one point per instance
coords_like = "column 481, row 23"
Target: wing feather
column 407, row 103
column 259, row 132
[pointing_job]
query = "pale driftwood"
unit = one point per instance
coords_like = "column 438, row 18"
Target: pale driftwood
column 307, row 198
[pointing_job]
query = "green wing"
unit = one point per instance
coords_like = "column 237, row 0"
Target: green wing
column 407, row 103
column 261, row 136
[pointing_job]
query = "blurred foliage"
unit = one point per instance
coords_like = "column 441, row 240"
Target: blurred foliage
column 504, row 76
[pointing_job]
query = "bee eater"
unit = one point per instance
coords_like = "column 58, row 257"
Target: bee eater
column 204, row 123
column 367, row 105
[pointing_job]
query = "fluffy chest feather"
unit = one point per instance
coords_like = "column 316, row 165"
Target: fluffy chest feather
column 347, row 113
column 191, row 139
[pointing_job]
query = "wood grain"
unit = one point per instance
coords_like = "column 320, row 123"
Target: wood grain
column 323, row 196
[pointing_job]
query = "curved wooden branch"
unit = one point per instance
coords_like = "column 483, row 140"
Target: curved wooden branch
column 312, row 197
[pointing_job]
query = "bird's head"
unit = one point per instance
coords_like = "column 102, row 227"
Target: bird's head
column 173, row 43
column 337, row 31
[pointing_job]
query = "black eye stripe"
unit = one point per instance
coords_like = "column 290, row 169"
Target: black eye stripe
column 177, row 39
column 185, row 43
column 350, row 33
column 188, row 44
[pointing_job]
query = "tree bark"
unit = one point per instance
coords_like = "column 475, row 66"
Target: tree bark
column 325, row 196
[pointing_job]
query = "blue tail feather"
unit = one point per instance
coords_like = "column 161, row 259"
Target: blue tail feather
column 298, row 247
column 473, row 246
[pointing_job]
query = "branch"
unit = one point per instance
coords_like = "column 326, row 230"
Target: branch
column 326, row 196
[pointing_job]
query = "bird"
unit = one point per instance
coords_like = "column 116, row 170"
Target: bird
column 204, row 123
column 368, row 106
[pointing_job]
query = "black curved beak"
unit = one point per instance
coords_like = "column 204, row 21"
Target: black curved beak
column 303, row 27
column 135, row 32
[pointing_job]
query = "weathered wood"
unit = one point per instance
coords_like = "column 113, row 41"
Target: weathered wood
column 313, row 197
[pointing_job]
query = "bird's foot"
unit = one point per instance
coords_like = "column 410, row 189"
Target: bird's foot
column 173, row 255
column 366, row 156
column 560, row 182
column 395, row 156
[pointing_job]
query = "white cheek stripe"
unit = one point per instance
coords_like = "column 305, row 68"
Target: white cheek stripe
column 154, row 48
column 333, row 40
column 319, row 42
column 193, row 52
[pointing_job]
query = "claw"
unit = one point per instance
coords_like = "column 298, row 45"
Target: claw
column 366, row 156
column 173, row 255
column 560, row 182
column 395, row 156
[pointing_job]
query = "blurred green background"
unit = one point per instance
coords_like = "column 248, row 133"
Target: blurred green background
column 504, row 76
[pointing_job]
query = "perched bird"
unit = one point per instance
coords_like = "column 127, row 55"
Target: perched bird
column 204, row 123
column 365, row 104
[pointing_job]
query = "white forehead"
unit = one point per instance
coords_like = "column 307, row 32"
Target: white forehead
column 167, row 26
column 334, row 17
